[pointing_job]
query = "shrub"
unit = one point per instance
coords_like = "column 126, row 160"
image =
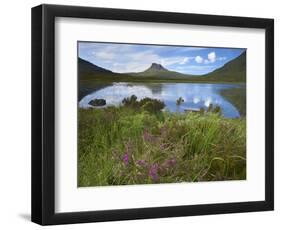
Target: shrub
column 179, row 101
column 211, row 109
column 130, row 101
column 217, row 109
column 147, row 104
column 202, row 111
column 152, row 105
column 97, row 102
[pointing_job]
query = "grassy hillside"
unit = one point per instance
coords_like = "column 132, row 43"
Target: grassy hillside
column 233, row 71
column 85, row 68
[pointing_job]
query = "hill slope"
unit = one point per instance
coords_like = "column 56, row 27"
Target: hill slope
column 87, row 67
column 233, row 71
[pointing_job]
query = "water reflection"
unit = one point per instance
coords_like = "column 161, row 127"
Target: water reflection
column 195, row 95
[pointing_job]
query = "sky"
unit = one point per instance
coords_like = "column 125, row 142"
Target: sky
column 124, row 58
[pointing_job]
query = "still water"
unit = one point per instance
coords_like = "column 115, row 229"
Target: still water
column 195, row 95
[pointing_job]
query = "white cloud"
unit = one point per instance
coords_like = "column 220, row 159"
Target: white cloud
column 199, row 59
column 212, row 57
column 174, row 60
column 124, row 58
column 129, row 67
column 105, row 55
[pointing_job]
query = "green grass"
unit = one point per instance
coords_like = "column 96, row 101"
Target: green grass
column 127, row 145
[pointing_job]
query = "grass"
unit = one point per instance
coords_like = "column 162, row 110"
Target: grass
column 129, row 145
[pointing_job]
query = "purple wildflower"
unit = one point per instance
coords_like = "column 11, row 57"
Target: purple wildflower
column 128, row 152
column 153, row 172
column 125, row 158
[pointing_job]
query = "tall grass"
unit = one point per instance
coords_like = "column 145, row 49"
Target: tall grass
column 125, row 145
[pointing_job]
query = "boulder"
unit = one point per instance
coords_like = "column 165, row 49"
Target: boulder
column 97, row 102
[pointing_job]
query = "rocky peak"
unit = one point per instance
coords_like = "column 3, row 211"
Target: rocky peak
column 156, row 66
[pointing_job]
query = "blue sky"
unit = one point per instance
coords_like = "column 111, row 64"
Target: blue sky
column 122, row 58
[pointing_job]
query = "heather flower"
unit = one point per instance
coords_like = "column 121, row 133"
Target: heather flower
column 128, row 152
column 125, row 158
column 153, row 172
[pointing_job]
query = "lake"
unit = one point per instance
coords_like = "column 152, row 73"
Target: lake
column 195, row 95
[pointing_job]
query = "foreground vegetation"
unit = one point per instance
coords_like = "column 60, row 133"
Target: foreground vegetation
column 138, row 144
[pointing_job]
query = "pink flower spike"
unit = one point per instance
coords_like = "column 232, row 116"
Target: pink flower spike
column 153, row 172
column 125, row 158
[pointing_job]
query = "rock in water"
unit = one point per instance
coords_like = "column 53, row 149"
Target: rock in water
column 97, row 102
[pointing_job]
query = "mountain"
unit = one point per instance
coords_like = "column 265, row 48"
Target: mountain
column 156, row 67
column 233, row 71
column 85, row 67
column 158, row 71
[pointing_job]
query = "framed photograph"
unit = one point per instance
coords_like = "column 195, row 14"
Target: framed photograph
column 142, row 114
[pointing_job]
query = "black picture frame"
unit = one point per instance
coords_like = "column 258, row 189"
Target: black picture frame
column 43, row 114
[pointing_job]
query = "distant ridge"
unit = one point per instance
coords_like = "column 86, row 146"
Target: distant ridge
column 233, row 71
